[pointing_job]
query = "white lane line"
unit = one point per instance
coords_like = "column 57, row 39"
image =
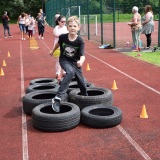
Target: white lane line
column 24, row 122
column 127, row 136
column 134, row 143
column 134, row 79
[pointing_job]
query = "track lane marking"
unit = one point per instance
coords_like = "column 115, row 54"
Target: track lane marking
column 24, row 122
column 134, row 79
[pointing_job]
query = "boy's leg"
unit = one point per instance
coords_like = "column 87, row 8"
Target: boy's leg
column 81, row 82
column 70, row 72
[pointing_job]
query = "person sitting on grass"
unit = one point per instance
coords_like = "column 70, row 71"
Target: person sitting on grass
column 71, row 60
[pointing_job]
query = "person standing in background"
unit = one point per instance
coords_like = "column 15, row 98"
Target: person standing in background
column 136, row 27
column 21, row 22
column 40, row 21
column 5, row 23
column 148, row 24
column 57, row 31
column 56, row 18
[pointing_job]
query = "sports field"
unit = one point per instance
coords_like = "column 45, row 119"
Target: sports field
column 138, row 84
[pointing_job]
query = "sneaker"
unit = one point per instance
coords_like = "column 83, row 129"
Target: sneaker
column 10, row 36
column 56, row 105
column 5, row 37
column 24, row 39
column 39, row 37
column 42, row 38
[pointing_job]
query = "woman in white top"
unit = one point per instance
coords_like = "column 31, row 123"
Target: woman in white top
column 57, row 31
column 148, row 24
column 21, row 22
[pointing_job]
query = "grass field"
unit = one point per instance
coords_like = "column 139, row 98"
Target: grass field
column 150, row 57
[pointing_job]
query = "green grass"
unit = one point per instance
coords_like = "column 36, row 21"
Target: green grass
column 150, row 57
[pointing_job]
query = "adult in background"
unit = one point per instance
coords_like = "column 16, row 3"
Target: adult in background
column 56, row 18
column 136, row 27
column 40, row 22
column 148, row 24
column 57, row 31
column 5, row 22
column 21, row 22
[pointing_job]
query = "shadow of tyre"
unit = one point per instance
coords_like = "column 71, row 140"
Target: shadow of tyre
column 33, row 99
column 95, row 96
column 44, row 81
column 45, row 119
column 42, row 87
column 101, row 116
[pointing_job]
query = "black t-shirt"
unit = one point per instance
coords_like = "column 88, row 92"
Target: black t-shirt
column 5, row 19
column 72, row 50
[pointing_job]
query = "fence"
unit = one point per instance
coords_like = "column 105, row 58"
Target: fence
column 104, row 21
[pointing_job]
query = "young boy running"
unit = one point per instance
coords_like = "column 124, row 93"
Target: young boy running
column 71, row 60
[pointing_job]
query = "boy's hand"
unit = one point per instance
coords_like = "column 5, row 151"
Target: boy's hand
column 79, row 63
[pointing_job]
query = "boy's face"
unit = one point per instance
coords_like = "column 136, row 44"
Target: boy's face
column 73, row 27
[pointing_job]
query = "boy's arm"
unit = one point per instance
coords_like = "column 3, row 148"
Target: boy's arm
column 81, row 61
column 55, row 47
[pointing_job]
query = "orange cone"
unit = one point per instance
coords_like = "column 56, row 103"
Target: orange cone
column 144, row 112
column 88, row 68
column 9, row 55
column 4, row 63
column 114, row 86
column 1, row 72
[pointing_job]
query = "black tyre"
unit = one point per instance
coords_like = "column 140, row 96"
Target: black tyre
column 44, row 81
column 45, row 119
column 33, row 99
column 74, row 85
column 40, row 87
column 101, row 116
column 95, row 96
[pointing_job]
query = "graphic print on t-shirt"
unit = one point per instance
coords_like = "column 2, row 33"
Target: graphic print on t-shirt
column 69, row 51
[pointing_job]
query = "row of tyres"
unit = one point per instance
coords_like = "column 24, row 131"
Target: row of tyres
column 94, row 110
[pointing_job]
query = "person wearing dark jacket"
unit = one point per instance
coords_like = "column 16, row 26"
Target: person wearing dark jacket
column 5, row 22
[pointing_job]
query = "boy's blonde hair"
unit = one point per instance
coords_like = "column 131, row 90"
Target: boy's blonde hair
column 73, row 18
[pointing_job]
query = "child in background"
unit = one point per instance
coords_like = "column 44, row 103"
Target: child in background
column 31, row 27
column 71, row 60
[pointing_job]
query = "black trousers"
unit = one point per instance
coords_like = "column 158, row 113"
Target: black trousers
column 71, row 70
column 149, row 40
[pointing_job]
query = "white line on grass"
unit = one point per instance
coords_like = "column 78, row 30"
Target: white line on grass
column 24, row 122
column 134, row 79
column 127, row 136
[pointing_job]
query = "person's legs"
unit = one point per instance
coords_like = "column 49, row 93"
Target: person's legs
column 9, row 34
column 58, row 67
column 134, row 39
column 4, row 31
column 70, row 72
column 81, row 82
column 148, row 36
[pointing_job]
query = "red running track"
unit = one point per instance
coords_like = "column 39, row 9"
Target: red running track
column 137, row 82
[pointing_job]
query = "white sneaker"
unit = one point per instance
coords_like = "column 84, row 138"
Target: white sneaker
column 42, row 38
column 39, row 37
column 24, row 39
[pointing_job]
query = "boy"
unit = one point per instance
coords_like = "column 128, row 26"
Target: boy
column 71, row 60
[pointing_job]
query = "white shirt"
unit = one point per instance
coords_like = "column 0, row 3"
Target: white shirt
column 57, row 31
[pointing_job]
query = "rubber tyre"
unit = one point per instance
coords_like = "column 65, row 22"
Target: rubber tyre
column 74, row 85
column 33, row 99
column 95, row 96
column 45, row 119
column 101, row 116
column 44, row 87
column 44, row 81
